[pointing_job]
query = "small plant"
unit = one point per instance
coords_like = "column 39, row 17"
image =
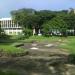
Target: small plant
column 27, row 32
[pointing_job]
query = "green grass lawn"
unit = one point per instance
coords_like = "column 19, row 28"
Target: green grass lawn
column 42, row 39
column 8, row 45
column 69, row 44
column 10, row 49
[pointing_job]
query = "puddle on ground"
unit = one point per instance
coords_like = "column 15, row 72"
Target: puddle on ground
column 49, row 45
column 35, row 48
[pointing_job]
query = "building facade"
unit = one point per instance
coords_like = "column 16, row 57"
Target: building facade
column 9, row 27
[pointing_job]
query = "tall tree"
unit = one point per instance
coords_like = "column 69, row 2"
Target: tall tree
column 23, row 17
column 56, row 23
column 0, row 30
column 70, row 20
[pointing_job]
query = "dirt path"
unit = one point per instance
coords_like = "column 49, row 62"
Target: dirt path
column 41, row 48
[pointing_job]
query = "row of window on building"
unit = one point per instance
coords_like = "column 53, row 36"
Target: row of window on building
column 14, row 33
column 9, row 24
column 10, row 27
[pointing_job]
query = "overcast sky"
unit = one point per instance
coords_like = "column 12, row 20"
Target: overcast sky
column 7, row 5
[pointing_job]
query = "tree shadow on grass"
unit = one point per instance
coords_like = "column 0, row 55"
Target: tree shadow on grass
column 5, row 40
column 8, row 40
column 71, row 59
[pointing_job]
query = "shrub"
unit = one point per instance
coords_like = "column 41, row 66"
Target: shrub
column 27, row 32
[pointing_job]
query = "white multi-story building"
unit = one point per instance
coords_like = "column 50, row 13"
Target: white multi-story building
column 9, row 27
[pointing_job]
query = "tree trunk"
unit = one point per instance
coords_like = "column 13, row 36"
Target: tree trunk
column 39, row 32
column 34, row 31
column 74, row 31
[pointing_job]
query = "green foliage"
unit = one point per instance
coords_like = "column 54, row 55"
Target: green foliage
column 70, row 20
column 45, row 15
column 3, row 35
column 69, row 44
column 23, row 16
column 27, row 32
column 45, row 20
column 56, row 23
column 29, row 18
column 1, row 32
